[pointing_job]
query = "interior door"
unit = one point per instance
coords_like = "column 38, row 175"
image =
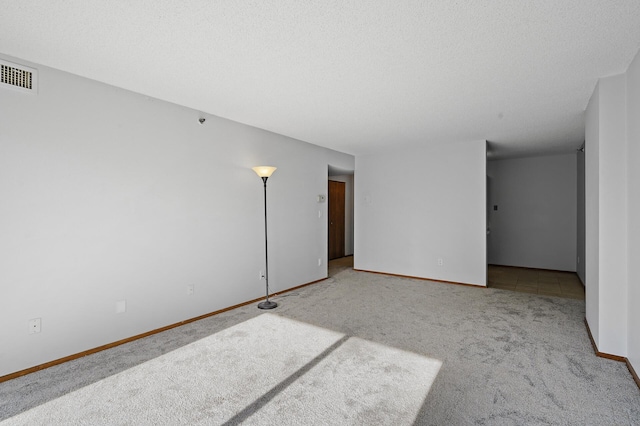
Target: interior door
column 336, row 219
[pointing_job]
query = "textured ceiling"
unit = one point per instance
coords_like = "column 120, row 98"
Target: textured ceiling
column 355, row 76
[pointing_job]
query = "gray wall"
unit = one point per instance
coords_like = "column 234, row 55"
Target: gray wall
column 612, row 198
column 108, row 195
column 580, row 217
column 633, row 158
column 535, row 224
column 606, row 215
column 419, row 205
column 592, row 211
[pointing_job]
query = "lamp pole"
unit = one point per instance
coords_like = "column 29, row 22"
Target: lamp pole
column 264, row 172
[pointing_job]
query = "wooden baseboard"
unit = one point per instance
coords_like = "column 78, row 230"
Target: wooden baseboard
column 421, row 278
column 595, row 347
column 139, row 336
column 290, row 289
column 633, row 372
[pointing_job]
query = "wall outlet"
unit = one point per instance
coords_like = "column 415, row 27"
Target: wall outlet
column 440, row 261
column 190, row 289
column 319, row 261
column 261, row 275
column 121, row 306
column 35, row 325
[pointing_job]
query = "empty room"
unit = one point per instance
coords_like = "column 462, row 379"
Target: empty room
column 331, row 213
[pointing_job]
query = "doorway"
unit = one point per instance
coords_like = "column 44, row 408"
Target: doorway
column 340, row 208
column 533, row 225
column 336, row 219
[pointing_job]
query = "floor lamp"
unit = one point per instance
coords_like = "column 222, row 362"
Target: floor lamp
column 264, row 172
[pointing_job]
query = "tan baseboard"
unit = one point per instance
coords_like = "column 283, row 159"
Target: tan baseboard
column 613, row 357
column 420, row 278
column 291, row 289
column 595, row 347
column 633, row 372
column 138, row 336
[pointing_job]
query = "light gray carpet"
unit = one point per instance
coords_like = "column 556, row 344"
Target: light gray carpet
column 264, row 369
column 507, row 358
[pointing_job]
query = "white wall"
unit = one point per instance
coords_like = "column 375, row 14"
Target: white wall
column 613, row 216
column 592, row 214
column 535, row 224
column 580, row 218
column 633, row 231
column 348, row 211
column 606, row 216
column 108, row 195
column 415, row 206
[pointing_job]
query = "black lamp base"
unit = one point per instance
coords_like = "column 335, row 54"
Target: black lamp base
column 267, row 304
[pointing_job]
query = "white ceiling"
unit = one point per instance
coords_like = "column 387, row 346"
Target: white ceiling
column 356, row 76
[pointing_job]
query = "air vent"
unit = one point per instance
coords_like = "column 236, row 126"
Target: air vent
column 18, row 77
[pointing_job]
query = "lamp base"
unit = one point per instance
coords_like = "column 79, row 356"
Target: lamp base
column 267, row 304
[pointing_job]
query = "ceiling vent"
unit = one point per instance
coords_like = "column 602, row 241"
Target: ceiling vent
column 18, row 77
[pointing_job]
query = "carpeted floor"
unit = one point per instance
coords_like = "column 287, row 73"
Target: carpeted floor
column 507, row 358
column 251, row 373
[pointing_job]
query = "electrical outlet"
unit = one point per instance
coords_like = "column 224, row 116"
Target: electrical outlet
column 35, row 325
column 190, row 289
column 121, row 306
column 261, row 275
column 319, row 261
column 440, row 261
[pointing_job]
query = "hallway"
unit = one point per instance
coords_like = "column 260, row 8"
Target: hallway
column 536, row 281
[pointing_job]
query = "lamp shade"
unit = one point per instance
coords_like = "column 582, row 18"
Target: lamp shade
column 264, row 171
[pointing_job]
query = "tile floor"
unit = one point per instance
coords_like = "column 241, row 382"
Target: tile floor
column 537, row 281
column 337, row 265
